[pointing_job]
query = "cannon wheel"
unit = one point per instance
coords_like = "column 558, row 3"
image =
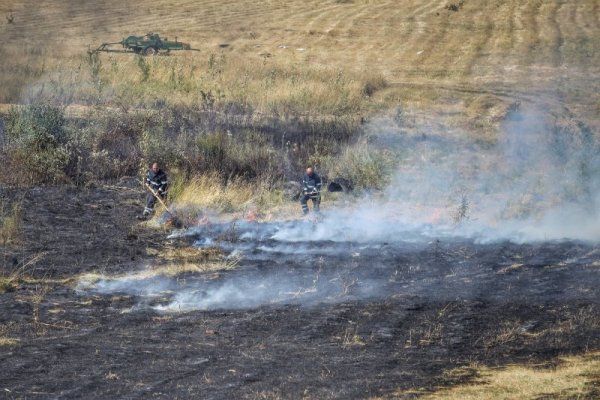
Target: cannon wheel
column 150, row 51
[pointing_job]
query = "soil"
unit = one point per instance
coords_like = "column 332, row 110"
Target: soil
column 317, row 320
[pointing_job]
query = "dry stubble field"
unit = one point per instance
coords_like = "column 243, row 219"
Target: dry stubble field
column 456, row 66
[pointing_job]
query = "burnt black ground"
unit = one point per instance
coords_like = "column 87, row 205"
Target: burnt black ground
column 382, row 318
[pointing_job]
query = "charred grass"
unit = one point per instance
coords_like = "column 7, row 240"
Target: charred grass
column 398, row 346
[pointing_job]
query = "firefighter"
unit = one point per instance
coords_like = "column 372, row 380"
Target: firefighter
column 157, row 180
column 311, row 189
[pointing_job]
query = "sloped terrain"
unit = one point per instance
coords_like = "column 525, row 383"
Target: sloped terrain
column 438, row 54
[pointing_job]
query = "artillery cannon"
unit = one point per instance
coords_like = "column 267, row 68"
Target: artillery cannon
column 149, row 44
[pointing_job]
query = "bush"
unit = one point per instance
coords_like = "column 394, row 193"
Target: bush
column 40, row 126
column 248, row 156
column 373, row 84
column 35, row 151
column 31, row 167
column 120, row 139
column 364, row 167
column 41, row 146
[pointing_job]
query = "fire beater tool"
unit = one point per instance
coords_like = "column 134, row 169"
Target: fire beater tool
column 172, row 218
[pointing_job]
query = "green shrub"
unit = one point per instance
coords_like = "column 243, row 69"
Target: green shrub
column 35, row 167
column 119, row 141
column 35, row 152
column 231, row 140
column 248, row 156
column 40, row 126
column 144, row 67
column 367, row 168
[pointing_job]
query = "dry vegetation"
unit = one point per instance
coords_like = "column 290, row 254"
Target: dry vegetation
column 278, row 84
column 11, row 235
column 10, row 223
column 418, row 47
column 572, row 377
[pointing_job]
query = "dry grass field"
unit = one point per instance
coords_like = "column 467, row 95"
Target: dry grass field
column 462, row 63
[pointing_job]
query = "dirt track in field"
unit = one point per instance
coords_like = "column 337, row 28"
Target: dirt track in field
column 311, row 319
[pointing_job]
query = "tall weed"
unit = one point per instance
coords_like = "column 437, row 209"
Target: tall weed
column 11, row 225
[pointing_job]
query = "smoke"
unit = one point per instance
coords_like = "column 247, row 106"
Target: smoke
column 538, row 182
column 270, row 271
column 305, row 280
column 251, row 291
column 275, row 268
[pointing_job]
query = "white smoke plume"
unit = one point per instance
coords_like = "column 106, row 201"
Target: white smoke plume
column 245, row 288
column 539, row 181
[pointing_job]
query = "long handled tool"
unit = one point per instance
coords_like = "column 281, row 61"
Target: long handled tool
column 158, row 198
column 172, row 219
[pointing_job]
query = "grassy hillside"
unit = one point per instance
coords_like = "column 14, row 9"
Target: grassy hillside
column 439, row 54
column 300, row 78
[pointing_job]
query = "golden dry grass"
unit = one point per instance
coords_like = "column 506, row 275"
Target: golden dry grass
column 462, row 68
column 5, row 341
column 207, row 191
column 564, row 377
column 204, row 195
column 11, row 277
column 284, row 53
column 5, row 337
column 570, row 379
column 171, row 269
column 435, row 67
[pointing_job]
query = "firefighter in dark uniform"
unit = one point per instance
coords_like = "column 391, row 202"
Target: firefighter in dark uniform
column 311, row 189
column 157, row 180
